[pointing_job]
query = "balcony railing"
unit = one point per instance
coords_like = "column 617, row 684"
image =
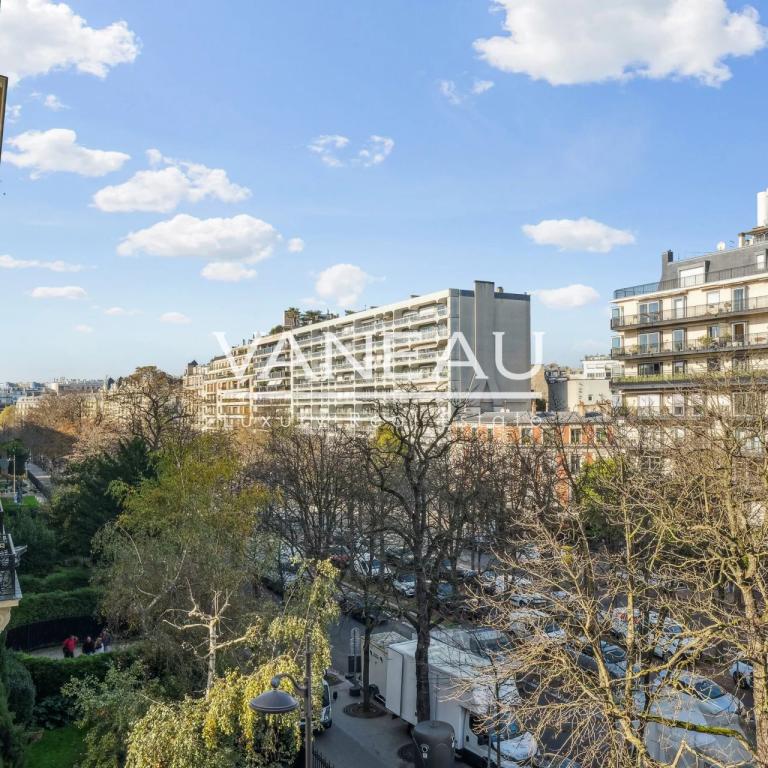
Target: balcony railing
column 704, row 345
column 690, row 282
column 740, row 306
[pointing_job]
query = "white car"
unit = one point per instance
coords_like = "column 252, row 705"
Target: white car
column 669, row 641
column 370, row 566
column 405, row 584
column 529, row 623
column 529, row 600
column 710, row 698
column 742, row 673
column 517, row 747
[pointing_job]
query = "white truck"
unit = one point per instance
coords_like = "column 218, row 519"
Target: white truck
column 462, row 692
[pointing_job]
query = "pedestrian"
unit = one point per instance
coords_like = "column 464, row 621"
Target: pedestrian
column 98, row 646
column 68, row 647
column 106, row 640
column 88, row 646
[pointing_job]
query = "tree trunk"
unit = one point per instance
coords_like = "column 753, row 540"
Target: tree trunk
column 366, row 667
column 212, row 645
column 422, row 649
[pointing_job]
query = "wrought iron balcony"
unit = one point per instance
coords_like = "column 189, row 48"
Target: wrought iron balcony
column 697, row 346
column 696, row 312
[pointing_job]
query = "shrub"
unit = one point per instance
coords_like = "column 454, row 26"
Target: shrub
column 21, row 690
column 62, row 579
column 49, row 675
column 43, row 551
column 59, row 604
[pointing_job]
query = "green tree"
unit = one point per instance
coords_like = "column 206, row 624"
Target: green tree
column 95, row 491
column 596, row 495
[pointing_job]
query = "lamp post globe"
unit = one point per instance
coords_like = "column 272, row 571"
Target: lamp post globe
column 274, row 702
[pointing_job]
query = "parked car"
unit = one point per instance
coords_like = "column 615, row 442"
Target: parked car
column 446, row 571
column 447, row 595
column 339, row 556
column 711, row 698
column 358, row 608
column 669, row 641
column 614, row 658
column 742, row 673
column 529, row 623
column 405, row 584
column 399, row 556
column 551, row 760
column 369, row 566
column 529, row 600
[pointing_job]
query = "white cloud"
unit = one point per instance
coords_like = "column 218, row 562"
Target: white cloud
column 120, row 312
column 342, row 284
column 49, row 101
column 13, row 113
column 164, row 189
column 568, row 297
column 588, row 41
column 8, row 262
column 175, row 318
column 227, row 271
column 456, row 96
column 38, row 36
column 83, row 328
column 295, row 245
column 240, row 238
column 335, row 152
column 59, row 292
column 578, row 235
column 482, row 86
column 57, row 150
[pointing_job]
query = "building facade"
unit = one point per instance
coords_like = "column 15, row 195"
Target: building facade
column 584, row 390
column 705, row 314
column 448, row 343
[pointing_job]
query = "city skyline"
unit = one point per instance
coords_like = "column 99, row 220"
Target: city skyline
column 166, row 176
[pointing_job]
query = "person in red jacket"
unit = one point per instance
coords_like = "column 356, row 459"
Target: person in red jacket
column 68, row 647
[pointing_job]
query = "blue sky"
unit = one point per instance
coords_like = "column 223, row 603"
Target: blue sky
column 657, row 135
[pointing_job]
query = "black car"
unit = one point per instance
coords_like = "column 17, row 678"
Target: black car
column 399, row 556
column 357, row 607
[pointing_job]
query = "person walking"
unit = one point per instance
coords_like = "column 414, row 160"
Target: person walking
column 68, row 647
column 88, row 646
column 106, row 640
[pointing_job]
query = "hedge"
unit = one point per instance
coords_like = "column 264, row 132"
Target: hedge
column 49, row 675
column 21, row 690
column 58, row 604
column 62, row 579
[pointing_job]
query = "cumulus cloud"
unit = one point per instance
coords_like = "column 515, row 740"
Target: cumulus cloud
column 38, row 36
column 120, row 312
column 334, row 150
column 342, row 284
column 456, row 96
column 295, row 245
column 83, row 328
column 589, row 41
column 50, row 101
column 162, row 190
column 240, row 238
column 59, row 292
column 227, row 271
column 568, row 297
column 8, row 262
column 57, row 150
column 175, row 318
column 578, row 235
column 13, row 113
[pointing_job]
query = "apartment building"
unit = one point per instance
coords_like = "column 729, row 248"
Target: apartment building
column 584, row 390
column 334, row 369
column 706, row 313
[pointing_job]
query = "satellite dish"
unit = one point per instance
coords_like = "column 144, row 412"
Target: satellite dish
column 721, row 245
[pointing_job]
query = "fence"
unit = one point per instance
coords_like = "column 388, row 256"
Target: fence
column 41, row 634
column 318, row 760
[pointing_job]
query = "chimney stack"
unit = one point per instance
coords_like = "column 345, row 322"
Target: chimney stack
column 762, row 209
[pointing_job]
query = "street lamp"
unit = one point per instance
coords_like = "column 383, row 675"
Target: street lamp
column 277, row 702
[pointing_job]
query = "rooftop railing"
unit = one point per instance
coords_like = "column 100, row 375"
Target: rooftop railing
column 702, row 345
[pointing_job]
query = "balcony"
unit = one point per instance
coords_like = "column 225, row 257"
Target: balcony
column 690, row 282
column 673, row 316
column 696, row 346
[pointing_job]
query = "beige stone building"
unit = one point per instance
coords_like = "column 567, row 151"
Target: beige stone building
column 706, row 313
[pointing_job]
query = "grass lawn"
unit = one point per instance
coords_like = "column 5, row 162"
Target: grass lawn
column 60, row 748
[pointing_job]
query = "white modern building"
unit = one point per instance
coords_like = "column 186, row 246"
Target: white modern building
column 453, row 344
column 588, row 389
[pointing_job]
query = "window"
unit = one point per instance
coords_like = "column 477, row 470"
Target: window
column 739, row 297
column 691, row 276
column 575, row 462
column 575, row 435
column 617, row 313
column 760, row 260
column 679, row 367
column 477, row 726
column 649, row 311
column 740, row 363
column 677, row 405
column 678, row 339
column 616, row 342
column 649, row 369
column 739, row 333
column 526, row 435
column 678, row 307
column 648, row 342
column 713, row 333
column 713, row 299
column 713, row 364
